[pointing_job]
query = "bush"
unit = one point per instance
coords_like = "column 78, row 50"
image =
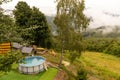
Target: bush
column 81, row 74
column 8, row 59
column 2, row 73
column 96, row 44
column 106, row 45
column 113, row 48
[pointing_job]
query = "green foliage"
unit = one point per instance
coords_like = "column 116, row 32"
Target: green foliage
column 75, row 50
column 2, row 73
column 5, row 19
column 70, row 20
column 8, row 59
column 41, row 34
column 33, row 25
column 113, row 48
column 76, row 47
column 8, row 31
column 5, row 26
column 22, row 14
column 98, row 44
column 81, row 74
column 106, row 45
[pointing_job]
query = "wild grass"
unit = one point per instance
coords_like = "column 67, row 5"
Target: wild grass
column 102, row 66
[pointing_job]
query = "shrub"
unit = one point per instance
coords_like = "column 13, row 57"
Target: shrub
column 106, row 45
column 81, row 74
column 113, row 49
column 8, row 59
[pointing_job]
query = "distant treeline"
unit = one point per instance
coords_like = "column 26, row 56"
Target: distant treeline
column 106, row 45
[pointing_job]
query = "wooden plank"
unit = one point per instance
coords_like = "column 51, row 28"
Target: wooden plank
column 5, row 44
column 5, row 47
column 0, row 52
column 4, row 51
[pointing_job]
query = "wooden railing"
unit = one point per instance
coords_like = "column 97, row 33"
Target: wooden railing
column 5, row 47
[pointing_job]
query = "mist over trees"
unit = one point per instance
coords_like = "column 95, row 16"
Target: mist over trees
column 4, row 1
column 102, row 32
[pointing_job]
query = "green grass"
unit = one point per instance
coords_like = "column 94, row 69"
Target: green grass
column 15, row 75
column 49, row 75
column 0, row 55
column 101, row 66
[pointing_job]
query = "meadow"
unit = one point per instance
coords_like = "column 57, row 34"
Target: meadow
column 100, row 66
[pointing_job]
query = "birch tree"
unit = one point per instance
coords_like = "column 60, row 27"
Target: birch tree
column 70, row 17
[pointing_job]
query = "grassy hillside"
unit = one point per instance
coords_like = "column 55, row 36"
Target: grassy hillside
column 101, row 66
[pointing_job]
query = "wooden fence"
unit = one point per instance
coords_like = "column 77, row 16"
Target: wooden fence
column 5, row 47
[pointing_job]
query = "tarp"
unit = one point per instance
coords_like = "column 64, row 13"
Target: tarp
column 16, row 45
column 27, row 49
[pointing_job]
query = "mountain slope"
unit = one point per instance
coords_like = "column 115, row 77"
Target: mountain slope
column 101, row 66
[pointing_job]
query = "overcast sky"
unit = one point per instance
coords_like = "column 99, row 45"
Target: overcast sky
column 103, row 12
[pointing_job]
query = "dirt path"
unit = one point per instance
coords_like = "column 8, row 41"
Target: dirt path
column 61, row 75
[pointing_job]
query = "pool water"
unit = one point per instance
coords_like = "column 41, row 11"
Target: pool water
column 32, row 61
